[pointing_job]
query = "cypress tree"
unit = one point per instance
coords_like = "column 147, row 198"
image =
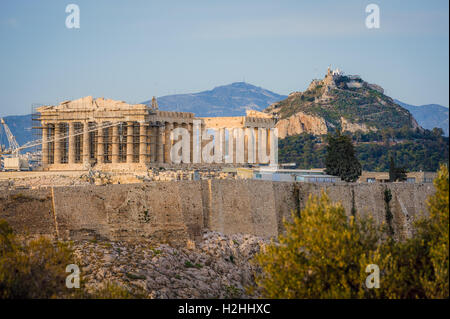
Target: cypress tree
column 341, row 159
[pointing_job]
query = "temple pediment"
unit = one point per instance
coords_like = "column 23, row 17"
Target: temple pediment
column 89, row 103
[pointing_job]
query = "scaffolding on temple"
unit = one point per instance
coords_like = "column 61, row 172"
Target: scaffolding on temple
column 100, row 139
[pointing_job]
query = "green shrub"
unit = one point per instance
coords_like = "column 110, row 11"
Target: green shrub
column 115, row 291
column 324, row 254
column 35, row 269
column 419, row 267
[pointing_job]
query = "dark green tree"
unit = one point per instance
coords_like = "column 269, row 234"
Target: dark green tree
column 391, row 169
column 396, row 173
column 341, row 159
column 308, row 150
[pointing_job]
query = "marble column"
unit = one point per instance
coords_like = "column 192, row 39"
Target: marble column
column 185, row 127
column 167, row 143
column 142, row 142
column 234, row 145
column 45, row 144
column 130, row 142
column 149, row 147
column 154, row 143
column 160, row 144
column 57, row 143
column 229, row 146
column 221, row 145
column 256, row 157
column 71, row 150
column 86, row 149
column 191, row 142
column 203, row 141
column 115, row 144
column 100, row 146
column 267, row 133
column 246, row 159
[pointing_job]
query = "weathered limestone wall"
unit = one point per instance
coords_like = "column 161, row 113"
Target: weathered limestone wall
column 174, row 212
column 241, row 206
column 408, row 200
column 28, row 211
column 151, row 211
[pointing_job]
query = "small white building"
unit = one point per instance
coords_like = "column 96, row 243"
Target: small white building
column 295, row 175
column 337, row 72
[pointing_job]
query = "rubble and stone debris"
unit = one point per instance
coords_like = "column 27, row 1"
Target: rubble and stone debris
column 219, row 267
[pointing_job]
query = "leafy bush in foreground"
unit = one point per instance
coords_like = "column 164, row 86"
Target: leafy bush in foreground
column 324, row 254
column 32, row 270
column 37, row 269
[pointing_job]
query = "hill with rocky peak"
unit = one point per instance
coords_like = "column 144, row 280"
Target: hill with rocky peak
column 339, row 102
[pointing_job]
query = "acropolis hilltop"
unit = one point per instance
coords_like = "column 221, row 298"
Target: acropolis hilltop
column 109, row 135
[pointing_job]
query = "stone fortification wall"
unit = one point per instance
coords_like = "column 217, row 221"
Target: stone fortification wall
column 175, row 212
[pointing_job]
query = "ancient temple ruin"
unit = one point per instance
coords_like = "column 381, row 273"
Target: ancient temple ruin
column 108, row 134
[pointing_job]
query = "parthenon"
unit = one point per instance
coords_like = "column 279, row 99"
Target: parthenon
column 108, row 134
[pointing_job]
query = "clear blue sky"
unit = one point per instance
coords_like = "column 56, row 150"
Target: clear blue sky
column 132, row 50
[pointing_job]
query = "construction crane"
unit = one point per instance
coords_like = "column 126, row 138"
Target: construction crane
column 11, row 159
column 13, row 146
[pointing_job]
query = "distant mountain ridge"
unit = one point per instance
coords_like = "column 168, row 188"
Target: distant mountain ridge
column 233, row 100
column 429, row 116
column 226, row 100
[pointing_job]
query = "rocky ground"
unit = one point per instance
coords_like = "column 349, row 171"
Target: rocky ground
column 48, row 181
column 10, row 180
column 218, row 267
